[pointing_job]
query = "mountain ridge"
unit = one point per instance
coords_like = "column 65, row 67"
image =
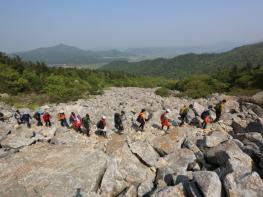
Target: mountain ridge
column 192, row 63
column 65, row 54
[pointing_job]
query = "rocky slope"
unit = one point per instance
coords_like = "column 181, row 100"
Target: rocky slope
column 224, row 160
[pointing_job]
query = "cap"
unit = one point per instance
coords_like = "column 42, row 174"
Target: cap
column 104, row 117
column 168, row 110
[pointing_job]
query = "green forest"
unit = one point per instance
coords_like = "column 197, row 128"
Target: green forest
column 236, row 80
column 37, row 83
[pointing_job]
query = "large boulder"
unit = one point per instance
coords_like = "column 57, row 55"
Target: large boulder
column 175, row 167
column 255, row 108
column 232, row 106
column 168, row 143
column 258, row 98
column 145, row 152
column 198, row 153
column 4, row 131
column 19, row 138
column 170, row 191
column 238, row 127
column 46, row 170
column 208, row 182
column 252, row 136
column 230, row 157
column 248, row 185
column 215, row 138
column 256, row 126
column 124, row 170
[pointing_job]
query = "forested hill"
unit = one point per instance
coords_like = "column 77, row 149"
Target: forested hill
column 64, row 54
column 192, row 63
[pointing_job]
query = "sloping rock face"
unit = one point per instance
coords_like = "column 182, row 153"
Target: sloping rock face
column 41, row 170
column 226, row 159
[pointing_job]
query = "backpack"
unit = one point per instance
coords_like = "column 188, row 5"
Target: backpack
column 162, row 118
column 46, row 117
column 183, row 111
column 86, row 121
column 204, row 114
column 100, row 125
column 117, row 119
column 218, row 107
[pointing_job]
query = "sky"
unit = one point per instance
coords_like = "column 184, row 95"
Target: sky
column 105, row 24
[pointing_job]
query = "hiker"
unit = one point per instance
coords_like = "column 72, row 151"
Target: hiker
column 196, row 120
column 118, row 121
column 101, row 126
column 46, row 118
column 63, row 120
column 183, row 114
column 206, row 116
column 219, row 108
column 37, row 116
column 86, row 123
column 141, row 119
column 75, row 121
column 26, row 119
column 17, row 116
column 164, row 119
column 2, row 117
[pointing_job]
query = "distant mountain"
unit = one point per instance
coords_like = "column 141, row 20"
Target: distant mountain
column 170, row 52
column 63, row 54
column 191, row 63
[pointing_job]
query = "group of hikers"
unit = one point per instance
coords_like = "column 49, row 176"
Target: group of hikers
column 82, row 124
column 38, row 116
column 206, row 115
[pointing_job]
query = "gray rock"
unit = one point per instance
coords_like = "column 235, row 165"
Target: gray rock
column 145, row 152
column 255, row 127
column 252, row 136
column 258, row 98
column 230, row 156
column 255, row 108
column 193, row 190
column 248, row 185
column 238, row 142
column 60, row 172
column 124, row 169
column 168, row 143
column 130, row 192
column 208, row 182
column 18, row 139
column 175, row 169
column 3, row 133
column 171, row 191
column 215, row 138
column 237, row 127
column 180, row 159
column 198, row 153
column 5, row 153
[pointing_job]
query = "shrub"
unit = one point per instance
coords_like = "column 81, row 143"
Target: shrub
column 163, row 92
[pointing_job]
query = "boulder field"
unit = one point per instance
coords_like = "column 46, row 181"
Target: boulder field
column 226, row 159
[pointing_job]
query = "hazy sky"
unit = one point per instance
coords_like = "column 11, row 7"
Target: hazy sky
column 102, row 24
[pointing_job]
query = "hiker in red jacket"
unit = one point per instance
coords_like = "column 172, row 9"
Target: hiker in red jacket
column 46, row 118
column 164, row 119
